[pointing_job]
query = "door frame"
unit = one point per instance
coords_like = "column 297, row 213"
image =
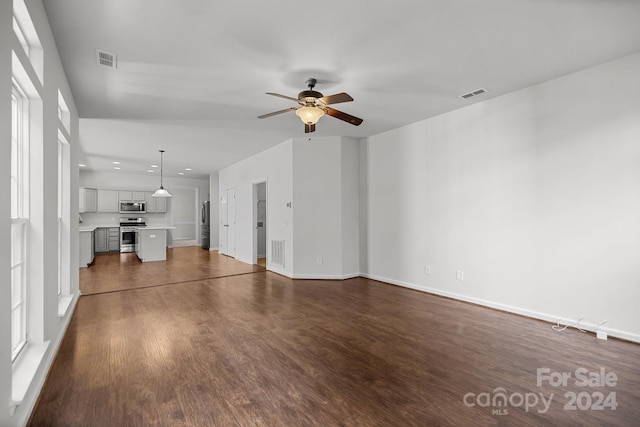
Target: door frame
column 254, row 216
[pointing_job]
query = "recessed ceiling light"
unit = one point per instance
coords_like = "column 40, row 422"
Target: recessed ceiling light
column 116, row 163
column 187, row 169
column 154, row 166
column 116, row 168
column 180, row 173
column 82, row 165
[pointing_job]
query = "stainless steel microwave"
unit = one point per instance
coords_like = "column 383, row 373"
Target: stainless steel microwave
column 133, row 207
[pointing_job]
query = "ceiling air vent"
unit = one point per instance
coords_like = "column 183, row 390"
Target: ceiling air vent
column 473, row 93
column 107, row 59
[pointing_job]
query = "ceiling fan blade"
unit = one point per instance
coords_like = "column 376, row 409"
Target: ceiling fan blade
column 283, row 96
column 343, row 116
column 308, row 128
column 286, row 110
column 336, row 99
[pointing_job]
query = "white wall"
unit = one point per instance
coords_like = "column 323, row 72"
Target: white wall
column 274, row 167
column 326, row 207
column 350, row 205
column 316, row 203
column 185, row 213
column 43, row 210
column 6, row 35
column 535, row 195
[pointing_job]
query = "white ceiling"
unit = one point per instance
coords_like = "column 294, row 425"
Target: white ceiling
column 192, row 75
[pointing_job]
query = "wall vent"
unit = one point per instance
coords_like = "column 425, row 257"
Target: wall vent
column 473, row 93
column 277, row 252
column 106, row 59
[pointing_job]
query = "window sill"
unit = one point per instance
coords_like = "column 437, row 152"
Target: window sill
column 64, row 302
column 24, row 370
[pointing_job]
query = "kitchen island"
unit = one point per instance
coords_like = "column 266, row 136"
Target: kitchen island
column 151, row 242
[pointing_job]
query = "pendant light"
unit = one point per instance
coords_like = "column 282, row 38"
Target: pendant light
column 161, row 192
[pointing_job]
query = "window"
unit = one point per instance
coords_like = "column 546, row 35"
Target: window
column 60, row 209
column 64, row 190
column 19, row 219
column 21, row 37
column 28, row 37
column 63, row 113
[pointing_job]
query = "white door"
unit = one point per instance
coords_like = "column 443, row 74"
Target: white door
column 231, row 221
column 224, row 225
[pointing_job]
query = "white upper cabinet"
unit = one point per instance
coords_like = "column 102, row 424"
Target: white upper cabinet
column 88, row 200
column 150, row 201
column 161, row 204
column 108, row 201
column 131, row 196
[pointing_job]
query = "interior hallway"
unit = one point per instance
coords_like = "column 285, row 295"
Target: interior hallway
column 213, row 341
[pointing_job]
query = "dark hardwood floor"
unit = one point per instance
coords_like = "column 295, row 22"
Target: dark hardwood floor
column 117, row 272
column 259, row 349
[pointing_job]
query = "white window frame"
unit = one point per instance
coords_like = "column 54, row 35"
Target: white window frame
column 19, row 218
column 64, row 221
column 61, row 192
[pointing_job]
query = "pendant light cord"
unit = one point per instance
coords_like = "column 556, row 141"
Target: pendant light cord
column 161, row 167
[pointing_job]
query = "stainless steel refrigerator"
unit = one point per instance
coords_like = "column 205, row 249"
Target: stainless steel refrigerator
column 205, row 228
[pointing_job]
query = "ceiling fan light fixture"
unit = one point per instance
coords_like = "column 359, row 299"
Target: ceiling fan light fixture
column 161, row 192
column 309, row 114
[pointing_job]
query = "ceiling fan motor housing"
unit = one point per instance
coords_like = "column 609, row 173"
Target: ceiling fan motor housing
column 309, row 94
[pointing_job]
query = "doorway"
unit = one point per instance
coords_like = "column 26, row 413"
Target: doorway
column 260, row 223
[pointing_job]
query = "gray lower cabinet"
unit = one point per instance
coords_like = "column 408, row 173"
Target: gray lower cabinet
column 107, row 240
column 101, row 240
column 114, row 239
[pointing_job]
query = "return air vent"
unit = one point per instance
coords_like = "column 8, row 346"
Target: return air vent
column 277, row 252
column 106, row 59
column 473, row 93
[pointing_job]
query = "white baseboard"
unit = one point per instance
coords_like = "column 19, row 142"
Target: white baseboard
column 279, row 271
column 588, row 326
column 246, row 261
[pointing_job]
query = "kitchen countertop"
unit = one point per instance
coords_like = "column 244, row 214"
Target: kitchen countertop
column 92, row 227
column 157, row 227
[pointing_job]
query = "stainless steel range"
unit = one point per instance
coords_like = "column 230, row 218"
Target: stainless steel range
column 128, row 233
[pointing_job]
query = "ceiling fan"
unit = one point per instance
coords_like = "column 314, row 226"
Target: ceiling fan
column 314, row 105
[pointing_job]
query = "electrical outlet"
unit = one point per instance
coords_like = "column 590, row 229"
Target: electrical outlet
column 459, row 275
column 427, row 269
column 319, row 260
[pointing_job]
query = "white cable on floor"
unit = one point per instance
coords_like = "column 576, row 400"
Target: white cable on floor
column 558, row 328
